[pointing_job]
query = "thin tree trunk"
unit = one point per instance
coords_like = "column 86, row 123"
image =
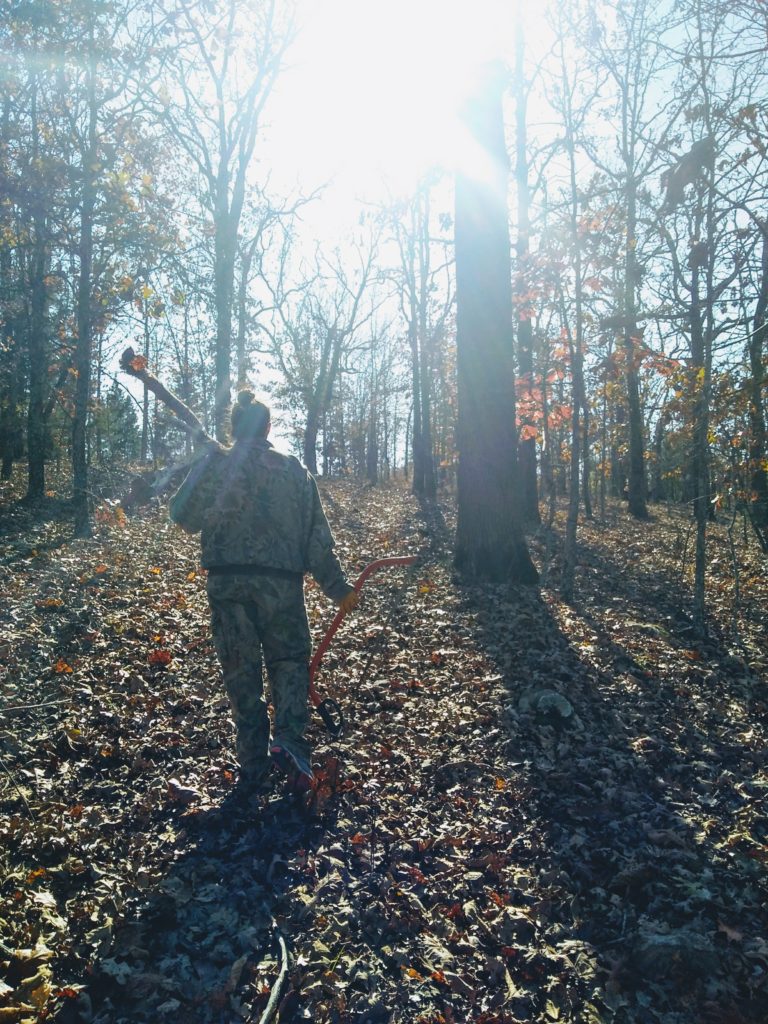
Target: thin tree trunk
column 757, row 439
column 37, row 348
column 81, row 494
column 99, row 373
column 224, row 284
column 408, row 423
column 636, row 476
column 586, row 462
column 429, row 479
column 186, row 383
column 144, row 450
column 547, row 470
column 417, row 438
column 603, row 451
column 528, row 483
column 702, row 331
column 311, row 430
column 657, row 486
column 372, row 447
column 575, row 342
column 242, row 309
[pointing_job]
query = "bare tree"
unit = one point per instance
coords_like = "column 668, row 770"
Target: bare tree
column 697, row 224
column 217, row 77
column 425, row 296
column 312, row 325
column 522, row 278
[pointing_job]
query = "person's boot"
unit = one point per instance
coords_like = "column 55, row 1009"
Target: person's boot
column 296, row 769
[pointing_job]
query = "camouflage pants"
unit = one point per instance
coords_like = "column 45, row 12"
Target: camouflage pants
column 251, row 614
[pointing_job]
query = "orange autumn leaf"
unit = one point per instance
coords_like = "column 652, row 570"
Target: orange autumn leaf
column 61, row 667
column 160, row 657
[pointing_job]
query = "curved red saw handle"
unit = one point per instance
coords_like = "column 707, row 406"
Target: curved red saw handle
column 369, row 570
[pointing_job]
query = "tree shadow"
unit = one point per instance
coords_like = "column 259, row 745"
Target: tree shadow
column 27, row 530
column 645, row 823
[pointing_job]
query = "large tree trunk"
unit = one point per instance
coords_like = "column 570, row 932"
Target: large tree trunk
column 489, row 543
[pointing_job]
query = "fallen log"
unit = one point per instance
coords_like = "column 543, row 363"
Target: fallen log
column 136, row 366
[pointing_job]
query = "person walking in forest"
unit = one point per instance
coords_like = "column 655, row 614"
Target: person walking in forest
column 262, row 528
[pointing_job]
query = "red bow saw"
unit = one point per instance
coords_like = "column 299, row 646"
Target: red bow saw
column 329, row 709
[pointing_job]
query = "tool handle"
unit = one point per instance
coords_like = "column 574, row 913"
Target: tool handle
column 369, row 570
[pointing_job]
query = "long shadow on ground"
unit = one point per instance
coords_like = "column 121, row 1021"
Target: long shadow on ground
column 646, row 828
column 200, row 943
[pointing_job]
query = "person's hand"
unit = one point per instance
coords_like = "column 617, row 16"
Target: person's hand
column 349, row 602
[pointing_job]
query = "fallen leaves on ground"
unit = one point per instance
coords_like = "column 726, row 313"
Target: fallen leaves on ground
column 538, row 812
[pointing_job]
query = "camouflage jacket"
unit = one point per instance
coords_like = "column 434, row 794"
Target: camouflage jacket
column 257, row 507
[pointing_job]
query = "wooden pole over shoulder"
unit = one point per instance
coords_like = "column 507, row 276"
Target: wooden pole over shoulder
column 136, row 366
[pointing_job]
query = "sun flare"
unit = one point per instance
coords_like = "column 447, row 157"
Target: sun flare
column 374, row 88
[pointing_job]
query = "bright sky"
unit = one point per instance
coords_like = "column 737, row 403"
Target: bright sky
column 372, row 88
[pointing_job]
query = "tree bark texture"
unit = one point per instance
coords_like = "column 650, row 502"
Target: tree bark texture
column 489, row 543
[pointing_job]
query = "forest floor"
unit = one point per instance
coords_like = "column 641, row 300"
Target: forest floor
column 539, row 812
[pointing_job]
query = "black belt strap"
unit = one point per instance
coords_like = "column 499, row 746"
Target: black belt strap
column 253, row 570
